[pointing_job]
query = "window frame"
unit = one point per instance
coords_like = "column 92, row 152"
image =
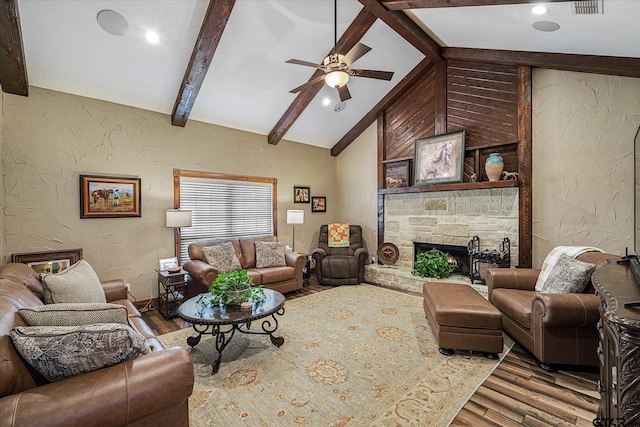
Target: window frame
column 178, row 173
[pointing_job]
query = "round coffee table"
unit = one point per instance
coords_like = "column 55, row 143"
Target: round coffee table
column 222, row 322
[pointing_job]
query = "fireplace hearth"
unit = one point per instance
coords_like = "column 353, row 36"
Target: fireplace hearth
column 458, row 255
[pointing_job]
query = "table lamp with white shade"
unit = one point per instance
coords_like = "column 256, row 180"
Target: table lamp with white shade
column 176, row 218
column 294, row 217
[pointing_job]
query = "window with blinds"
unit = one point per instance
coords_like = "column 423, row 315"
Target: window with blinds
column 224, row 207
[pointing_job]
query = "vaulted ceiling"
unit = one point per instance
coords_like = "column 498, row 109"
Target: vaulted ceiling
column 223, row 61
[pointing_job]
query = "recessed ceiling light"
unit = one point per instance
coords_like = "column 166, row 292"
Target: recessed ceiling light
column 152, row 37
column 546, row 26
column 326, row 101
column 539, row 10
column 112, row 22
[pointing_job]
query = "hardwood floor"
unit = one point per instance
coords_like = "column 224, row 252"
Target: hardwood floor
column 518, row 392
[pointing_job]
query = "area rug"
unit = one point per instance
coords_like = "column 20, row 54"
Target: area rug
column 353, row 356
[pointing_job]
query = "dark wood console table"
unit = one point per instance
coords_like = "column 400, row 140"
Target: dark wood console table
column 619, row 349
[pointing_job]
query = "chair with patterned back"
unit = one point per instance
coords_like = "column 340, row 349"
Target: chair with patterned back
column 341, row 255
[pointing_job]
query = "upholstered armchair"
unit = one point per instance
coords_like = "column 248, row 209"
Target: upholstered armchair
column 558, row 329
column 340, row 265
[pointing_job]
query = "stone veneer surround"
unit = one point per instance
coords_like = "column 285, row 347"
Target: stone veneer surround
column 452, row 218
column 446, row 217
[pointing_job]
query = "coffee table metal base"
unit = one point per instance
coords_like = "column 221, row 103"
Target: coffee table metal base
column 224, row 333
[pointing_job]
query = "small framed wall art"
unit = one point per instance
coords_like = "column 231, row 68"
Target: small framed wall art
column 439, row 159
column 301, row 194
column 109, row 197
column 318, row 204
column 49, row 261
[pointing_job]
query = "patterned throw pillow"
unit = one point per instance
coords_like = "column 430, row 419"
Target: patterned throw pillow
column 269, row 254
column 58, row 352
column 78, row 283
column 74, row 314
column 555, row 254
column 222, row 256
column 339, row 235
column 568, row 276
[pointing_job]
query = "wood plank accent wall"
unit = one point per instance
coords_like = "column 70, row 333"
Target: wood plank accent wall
column 411, row 117
column 482, row 98
column 492, row 102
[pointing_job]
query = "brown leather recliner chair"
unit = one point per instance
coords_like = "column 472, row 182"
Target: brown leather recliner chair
column 558, row 329
column 341, row 266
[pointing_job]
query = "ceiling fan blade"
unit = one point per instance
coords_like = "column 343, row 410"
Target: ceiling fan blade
column 310, row 83
column 373, row 74
column 355, row 53
column 343, row 91
column 305, row 63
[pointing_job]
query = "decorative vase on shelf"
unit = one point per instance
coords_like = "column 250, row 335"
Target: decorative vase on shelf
column 494, row 166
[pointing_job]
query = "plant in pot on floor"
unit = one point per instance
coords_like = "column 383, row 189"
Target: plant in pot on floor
column 433, row 263
column 232, row 288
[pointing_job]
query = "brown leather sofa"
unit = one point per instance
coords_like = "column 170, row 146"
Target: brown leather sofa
column 558, row 329
column 282, row 279
column 150, row 390
column 341, row 266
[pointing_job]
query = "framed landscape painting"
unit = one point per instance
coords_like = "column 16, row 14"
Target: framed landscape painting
column 109, row 197
column 439, row 159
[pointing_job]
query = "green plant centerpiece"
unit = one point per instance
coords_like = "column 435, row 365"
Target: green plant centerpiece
column 433, row 263
column 234, row 287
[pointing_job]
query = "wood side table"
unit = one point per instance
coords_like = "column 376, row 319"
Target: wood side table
column 172, row 288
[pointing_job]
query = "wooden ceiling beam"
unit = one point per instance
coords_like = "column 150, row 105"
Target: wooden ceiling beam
column 349, row 39
column 611, row 65
column 400, row 89
column 406, row 28
column 13, row 67
column 213, row 25
column 426, row 4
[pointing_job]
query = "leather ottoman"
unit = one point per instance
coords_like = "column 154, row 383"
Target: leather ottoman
column 462, row 319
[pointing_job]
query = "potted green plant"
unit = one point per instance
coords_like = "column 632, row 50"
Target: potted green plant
column 234, row 287
column 433, row 263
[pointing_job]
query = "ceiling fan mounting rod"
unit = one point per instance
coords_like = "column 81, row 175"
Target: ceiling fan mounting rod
column 335, row 27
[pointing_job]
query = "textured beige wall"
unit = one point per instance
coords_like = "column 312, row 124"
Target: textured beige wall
column 358, row 186
column 583, row 129
column 51, row 138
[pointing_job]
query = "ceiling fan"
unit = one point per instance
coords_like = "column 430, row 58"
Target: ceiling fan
column 337, row 67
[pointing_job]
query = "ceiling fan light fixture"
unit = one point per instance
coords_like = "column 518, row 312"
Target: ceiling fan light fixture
column 336, row 78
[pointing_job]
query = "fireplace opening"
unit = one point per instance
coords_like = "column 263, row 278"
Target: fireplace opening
column 458, row 255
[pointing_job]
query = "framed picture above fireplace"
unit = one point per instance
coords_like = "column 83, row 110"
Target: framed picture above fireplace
column 439, row 159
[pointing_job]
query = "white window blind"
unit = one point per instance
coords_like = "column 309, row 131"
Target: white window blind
column 223, row 208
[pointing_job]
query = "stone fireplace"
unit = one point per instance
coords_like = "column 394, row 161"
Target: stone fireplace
column 444, row 218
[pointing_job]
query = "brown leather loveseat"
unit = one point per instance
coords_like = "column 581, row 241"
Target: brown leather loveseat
column 558, row 329
column 287, row 278
column 149, row 390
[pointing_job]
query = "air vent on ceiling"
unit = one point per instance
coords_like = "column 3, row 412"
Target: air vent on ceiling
column 587, row 7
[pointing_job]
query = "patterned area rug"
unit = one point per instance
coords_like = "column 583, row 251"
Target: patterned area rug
column 353, row 356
